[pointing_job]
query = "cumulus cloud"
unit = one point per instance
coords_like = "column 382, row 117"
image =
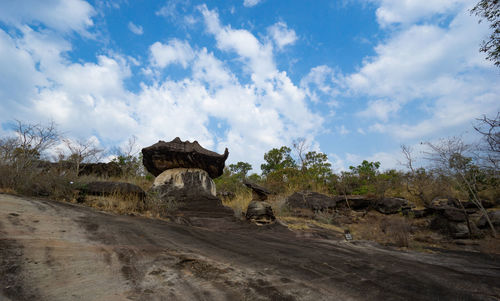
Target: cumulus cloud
column 61, row 15
column 175, row 51
column 90, row 98
column 281, row 35
column 137, row 29
column 435, row 69
column 412, row 11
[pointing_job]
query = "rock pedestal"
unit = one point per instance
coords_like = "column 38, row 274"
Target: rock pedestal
column 185, row 182
column 184, row 173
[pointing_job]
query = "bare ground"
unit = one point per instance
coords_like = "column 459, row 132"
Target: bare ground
column 59, row 251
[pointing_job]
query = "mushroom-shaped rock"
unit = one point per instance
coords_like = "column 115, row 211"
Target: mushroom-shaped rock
column 260, row 212
column 259, row 193
column 185, row 181
column 182, row 154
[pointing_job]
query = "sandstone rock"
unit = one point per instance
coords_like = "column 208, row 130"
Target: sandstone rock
column 260, row 212
column 390, row 205
column 259, row 193
column 185, row 182
column 109, row 188
column 356, row 202
column 178, row 154
column 494, row 217
column 310, row 200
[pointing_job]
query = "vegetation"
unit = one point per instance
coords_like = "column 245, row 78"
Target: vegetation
column 448, row 168
column 489, row 10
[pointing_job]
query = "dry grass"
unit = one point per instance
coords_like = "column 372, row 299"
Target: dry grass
column 239, row 203
column 117, row 203
column 298, row 223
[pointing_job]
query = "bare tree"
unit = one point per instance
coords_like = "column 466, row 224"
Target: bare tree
column 32, row 140
column 455, row 158
column 300, row 146
column 490, row 150
column 81, row 152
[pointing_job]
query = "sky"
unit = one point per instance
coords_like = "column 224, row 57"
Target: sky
column 355, row 78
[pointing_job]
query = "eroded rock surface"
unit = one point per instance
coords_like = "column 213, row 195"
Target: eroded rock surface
column 58, row 251
column 182, row 154
column 185, row 181
column 311, row 200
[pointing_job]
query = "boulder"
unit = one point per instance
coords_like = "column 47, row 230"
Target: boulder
column 163, row 155
column 390, row 205
column 420, row 213
column 494, row 217
column 310, row 200
column 259, row 193
column 110, row 188
column 356, row 202
column 450, row 228
column 182, row 182
column 260, row 212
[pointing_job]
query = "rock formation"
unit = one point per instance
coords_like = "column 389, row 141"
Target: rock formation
column 259, row 193
column 185, row 182
column 178, row 154
column 259, row 211
column 184, row 173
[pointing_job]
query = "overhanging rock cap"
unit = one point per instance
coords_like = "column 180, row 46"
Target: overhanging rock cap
column 182, row 154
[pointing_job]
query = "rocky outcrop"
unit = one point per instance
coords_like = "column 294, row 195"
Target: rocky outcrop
column 452, row 221
column 494, row 218
column 260, row 212
column 182, row 154
column 110, row 188
column 391, row 205
column 356, row 202
column 259, row 193
column 310, row 200
column 185, row 182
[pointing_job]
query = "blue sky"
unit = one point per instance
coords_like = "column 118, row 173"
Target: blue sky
column 355, row 78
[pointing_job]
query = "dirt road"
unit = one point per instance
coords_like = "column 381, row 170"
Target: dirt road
column 59, row 251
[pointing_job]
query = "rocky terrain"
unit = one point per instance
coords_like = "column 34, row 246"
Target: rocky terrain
column 58, row 251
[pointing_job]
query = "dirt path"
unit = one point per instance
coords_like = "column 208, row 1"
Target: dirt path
column 58, row 251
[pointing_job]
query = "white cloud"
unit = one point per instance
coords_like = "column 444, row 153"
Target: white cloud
column 256, row 56
column 250, row 3
column 137, row 29
column 61, row 15
column 412, row 11
column 281, row 35
column 321, row 81
column 434, row 69
column 343, row 130
column 380, row 109
column 175, row 51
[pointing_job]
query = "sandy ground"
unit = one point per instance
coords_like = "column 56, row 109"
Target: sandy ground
column 58, row 251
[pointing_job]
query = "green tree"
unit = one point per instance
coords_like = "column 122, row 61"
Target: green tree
column 490, row 10
column 366, row 175
column 241, row 169
column 277, row 159
column 317, row 165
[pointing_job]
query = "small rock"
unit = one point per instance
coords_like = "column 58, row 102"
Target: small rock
column 260, row 212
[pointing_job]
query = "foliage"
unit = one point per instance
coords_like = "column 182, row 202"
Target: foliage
column 490, row 10
column 277, row 159
column 241, row 169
